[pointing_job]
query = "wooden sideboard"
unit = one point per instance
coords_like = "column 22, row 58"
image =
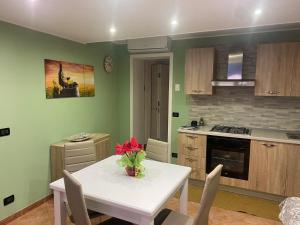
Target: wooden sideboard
column 103, row 150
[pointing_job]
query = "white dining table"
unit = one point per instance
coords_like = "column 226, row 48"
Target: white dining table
column 107, row 189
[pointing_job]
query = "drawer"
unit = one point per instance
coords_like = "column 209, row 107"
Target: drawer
column 193, row 162
column 191, row 151
column 191, row 140
column 197, row 142
column 197, row 174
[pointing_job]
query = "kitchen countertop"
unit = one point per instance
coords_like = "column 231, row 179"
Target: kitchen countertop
column 256, row 134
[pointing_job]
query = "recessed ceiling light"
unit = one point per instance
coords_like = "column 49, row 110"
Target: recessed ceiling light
column 174, row 22
column 258, row 11
column 112, row 30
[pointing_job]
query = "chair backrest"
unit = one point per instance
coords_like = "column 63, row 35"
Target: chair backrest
column 76, row 200
column 157, row 150
column 79, row 155
column 208, row 195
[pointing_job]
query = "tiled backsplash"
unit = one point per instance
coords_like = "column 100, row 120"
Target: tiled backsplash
column 238, row 106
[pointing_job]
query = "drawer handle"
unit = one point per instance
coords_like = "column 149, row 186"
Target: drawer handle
column 190, row 160
column 269, row 145
column 191, row 147
column 190, row 136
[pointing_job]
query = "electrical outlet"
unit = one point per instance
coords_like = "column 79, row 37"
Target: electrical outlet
column 8, row 200
column 175, row 114
column 4, row 132
column 174, row 155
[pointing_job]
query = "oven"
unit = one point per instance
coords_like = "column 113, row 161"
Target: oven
column 232, row 153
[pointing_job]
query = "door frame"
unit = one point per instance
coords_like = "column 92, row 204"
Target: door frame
column 169, row 56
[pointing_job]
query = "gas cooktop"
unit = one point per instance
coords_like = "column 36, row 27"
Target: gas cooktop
column 231, row 129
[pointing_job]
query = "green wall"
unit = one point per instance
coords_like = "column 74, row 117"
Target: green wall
column 35, row 121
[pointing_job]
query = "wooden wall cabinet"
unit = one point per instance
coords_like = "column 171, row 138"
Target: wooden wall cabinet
column 274, row 168
column 192, row 153
column 278, row 69
column 199, row 70
column 57, row 152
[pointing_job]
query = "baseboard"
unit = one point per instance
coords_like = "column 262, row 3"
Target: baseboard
column 25, row 210
column 241, row 191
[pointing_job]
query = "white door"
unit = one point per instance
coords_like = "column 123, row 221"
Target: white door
column 159, row 101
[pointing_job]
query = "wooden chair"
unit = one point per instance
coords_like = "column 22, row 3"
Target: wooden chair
column 79, row 155
column 157, row 150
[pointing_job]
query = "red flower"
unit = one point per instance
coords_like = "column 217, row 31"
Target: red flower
column 135, row 146
column 119, row 149
column 128, row 147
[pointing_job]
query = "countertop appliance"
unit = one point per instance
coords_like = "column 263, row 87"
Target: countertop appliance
column 233, row 153
column 231, row 129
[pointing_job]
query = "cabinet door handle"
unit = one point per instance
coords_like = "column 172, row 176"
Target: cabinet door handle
column 269, row 145
column 272, row 92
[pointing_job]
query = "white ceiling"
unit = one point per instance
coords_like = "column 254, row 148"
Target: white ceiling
column 90, row 20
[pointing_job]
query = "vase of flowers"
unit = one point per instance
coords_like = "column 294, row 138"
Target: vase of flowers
column 132, row 154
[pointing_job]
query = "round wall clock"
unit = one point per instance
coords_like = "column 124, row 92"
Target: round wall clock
column 108, row 64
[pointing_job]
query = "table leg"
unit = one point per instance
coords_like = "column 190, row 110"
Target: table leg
column 184, row 198
column 147, row 221
column 60, row 215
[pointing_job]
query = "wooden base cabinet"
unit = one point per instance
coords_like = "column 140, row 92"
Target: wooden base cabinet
column 192, row 153
column 293, row 171
column 274, row 168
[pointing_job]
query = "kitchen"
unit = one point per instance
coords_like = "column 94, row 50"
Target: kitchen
column 249, row 124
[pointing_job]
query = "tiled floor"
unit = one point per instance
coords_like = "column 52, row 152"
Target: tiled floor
column 43, row 215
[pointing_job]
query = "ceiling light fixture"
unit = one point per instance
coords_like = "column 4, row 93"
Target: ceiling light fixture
column 174, row 22
column 258, row 11
column 112, row 30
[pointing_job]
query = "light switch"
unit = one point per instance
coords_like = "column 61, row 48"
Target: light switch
column 177, row 87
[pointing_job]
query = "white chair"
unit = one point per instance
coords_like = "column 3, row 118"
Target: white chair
column 77, row 204
column 79, row 155
column 157, row 150
column 168, row 217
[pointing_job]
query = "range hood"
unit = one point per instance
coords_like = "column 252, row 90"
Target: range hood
column 234, row 73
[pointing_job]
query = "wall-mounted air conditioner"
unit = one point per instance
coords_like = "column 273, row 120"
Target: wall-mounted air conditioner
column 153, row 44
